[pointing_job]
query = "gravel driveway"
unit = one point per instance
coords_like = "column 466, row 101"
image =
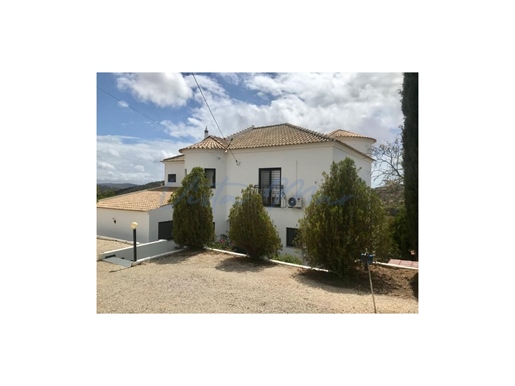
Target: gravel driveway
column 212, row 282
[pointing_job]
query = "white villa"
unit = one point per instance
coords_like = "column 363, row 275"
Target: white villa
column 284, row 162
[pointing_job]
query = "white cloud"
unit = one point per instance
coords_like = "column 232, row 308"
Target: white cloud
column 105, row 165
column 114, row 152
column 162, row 89
column 364, row 103
column 209, row 86
column 123, row 104
column 231, row 77
column 138, row 160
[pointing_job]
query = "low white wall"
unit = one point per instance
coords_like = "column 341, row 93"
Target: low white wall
column 142, row 250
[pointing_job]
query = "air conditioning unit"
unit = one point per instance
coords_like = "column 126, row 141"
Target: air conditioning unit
column 295, row 202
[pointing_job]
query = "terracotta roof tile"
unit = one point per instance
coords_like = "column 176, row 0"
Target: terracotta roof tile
column 177, row 158
column 275, row 135
column 210, row 143
column 142, row 201
column 344, row 133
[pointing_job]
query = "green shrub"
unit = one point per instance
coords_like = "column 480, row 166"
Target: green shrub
column 192, row 214
column 344, row 219
column 223, row 242
column 250, row 226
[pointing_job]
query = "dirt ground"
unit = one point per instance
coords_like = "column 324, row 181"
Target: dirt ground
column 212, row 282
column 391, row 281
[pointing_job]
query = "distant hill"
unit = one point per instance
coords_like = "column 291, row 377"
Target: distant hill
column 115, row 186
column 123, row 188
column 135, row 188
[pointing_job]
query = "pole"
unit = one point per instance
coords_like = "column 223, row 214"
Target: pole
column 371, row 288
column 134, row 236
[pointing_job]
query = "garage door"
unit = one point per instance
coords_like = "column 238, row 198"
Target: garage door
column 165, row 230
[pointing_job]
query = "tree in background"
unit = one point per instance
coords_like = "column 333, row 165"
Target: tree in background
column 192, row 214
column 388, row 166
column 104, row 194
column 344, row 219
column 410, row 155
column 388, row 161
column 250, row 226
column 400, row 233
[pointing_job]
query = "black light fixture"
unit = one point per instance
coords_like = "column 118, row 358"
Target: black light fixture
column 114, row 220
column 134, row 225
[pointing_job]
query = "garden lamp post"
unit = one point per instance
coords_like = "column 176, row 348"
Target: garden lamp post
column 134, row 225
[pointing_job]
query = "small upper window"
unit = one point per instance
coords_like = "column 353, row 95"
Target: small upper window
column 211, row 177
column 172, row 178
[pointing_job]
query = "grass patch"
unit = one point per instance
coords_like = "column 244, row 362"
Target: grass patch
column 292, row 259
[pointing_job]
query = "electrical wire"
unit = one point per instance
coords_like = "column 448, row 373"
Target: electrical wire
column 139, row 112
column 214, row 119
column 146, row 116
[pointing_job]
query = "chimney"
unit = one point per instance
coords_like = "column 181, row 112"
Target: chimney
column 206, row 133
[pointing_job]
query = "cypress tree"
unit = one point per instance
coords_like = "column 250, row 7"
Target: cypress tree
column 250, row 226
column 192, row 214
column 410, row 155
column 344, row 219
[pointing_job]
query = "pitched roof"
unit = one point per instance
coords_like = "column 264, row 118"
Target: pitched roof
column 264, row 136
column 273, row 135
column 210, row 143
column 141, row 201
column 344, row 133
column 177, row 158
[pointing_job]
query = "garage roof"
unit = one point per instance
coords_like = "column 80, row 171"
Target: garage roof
column 141, row 201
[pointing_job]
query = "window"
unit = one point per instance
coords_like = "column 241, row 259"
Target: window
column 270, row 187
column 211, row 176
column 171, row 178
column 291, row 233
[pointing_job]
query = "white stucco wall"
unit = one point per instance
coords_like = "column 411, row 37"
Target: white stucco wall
column 212, row 159
column 174, row 167
column 301, row 174
column 363, row 164
column 122, row 229
column 165, row 213
column 362, row 144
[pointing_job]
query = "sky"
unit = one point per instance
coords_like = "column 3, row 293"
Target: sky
column 143, row 118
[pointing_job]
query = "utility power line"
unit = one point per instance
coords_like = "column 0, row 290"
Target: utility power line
column 139, row 112
column 214, row 119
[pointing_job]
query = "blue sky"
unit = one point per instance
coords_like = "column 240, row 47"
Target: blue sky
column 145, row 117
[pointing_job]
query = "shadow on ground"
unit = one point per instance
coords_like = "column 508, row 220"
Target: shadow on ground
column 175, row 258
column 385, row 281
column 243, row 264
